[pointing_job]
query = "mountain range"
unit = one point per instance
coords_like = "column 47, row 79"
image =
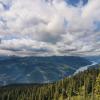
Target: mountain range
column 39, row 69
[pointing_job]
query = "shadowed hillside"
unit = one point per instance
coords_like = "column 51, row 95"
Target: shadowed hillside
column 38, row 69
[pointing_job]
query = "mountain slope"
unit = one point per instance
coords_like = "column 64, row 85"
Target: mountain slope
column 82, row 86
column 94, row 58
column 38, row 69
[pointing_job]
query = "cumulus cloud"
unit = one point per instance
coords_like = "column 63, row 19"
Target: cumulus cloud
column 49, row 27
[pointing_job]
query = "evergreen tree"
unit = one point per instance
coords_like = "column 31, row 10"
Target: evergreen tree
column 97, row 86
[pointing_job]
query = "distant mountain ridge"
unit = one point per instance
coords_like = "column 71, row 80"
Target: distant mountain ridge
column 38, row 69
column 94, row 58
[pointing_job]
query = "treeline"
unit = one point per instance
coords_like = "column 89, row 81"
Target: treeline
column 83, row 86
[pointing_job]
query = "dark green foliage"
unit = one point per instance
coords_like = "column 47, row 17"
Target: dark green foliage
column 82, row 86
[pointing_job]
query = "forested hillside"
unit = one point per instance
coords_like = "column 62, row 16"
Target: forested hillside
column 83, row 86
column 38, row 69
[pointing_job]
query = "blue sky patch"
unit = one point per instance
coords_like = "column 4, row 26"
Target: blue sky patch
column 6, row 6
column 97, row 24
column 76, row 2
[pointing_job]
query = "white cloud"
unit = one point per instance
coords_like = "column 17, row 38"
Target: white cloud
column 59, row 27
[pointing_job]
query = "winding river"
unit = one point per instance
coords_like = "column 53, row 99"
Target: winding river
column 85, row 67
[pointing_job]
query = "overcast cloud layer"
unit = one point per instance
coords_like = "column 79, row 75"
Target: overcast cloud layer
column 49, row 27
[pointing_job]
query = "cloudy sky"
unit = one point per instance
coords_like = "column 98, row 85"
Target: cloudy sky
column 49, row 27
